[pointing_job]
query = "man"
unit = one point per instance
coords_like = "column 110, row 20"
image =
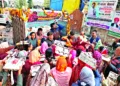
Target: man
column 50, row 39
column 95, row 40
column 70, row 40
column 56, row 29
column 92, row 10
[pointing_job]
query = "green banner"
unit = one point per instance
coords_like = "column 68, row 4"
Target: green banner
column 114, row 34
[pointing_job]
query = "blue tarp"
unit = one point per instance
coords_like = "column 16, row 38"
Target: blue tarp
column 56, row 4
column 82, row 5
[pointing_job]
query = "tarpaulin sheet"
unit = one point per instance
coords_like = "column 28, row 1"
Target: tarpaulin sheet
column 70, row 5
column 56, row 4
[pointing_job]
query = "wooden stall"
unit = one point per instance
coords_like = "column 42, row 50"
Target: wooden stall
column 76, row 19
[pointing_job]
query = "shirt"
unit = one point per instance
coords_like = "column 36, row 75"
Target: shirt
column 94, row 40
column 62, row 78
column 83, row 38
column 92, row 12
column 33, row 42
column 50, row 42
column 57, row 32
column 116, row 63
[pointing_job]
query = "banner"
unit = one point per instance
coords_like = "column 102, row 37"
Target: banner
column 100, row 13
column 112, row 79
column 115, row 26
column 59, row 43
column 14, row 63
column 64, row 51
column 87, row 58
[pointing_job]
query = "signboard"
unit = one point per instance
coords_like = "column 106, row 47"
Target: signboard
column 13, row 63
column 87, row 58
column 64, row 51
column 59, row 43
column 115, row 26
column 112, row 79
column 100, row 13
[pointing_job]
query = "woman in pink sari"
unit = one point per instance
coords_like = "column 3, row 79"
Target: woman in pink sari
column 44, row 47
column 61, row 72
column 71, row 58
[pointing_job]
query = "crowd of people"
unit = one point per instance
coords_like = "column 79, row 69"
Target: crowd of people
column 57, row 70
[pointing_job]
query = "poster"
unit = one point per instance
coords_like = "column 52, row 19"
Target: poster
column 14, row 63
column 87, row 57
column 63, row 51
column 100, row 13
column 112, row 79
column 59, row 43
column 115, row 25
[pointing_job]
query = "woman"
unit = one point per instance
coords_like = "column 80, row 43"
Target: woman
column 61, row 72
column 76, row 68
column 114, row 65
column 86, row 78
column 103, row 50
column 70, row 40
column 98, row 56
column 33, row 40
column 39, row 36
column 43, row 48
column 71, row 58
column 49, row 57
column 42, row 77
column 34, row 58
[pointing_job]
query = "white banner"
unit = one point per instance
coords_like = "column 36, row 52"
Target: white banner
column 87, row 58
column 64, row 51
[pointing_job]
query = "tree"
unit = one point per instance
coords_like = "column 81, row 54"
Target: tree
column 30, row 4
column 21, row 3
column 4, row 2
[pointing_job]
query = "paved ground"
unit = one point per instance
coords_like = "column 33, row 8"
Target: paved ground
column 6, row 36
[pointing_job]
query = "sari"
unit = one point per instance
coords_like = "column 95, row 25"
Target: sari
column 34, row 58
column 61, row 72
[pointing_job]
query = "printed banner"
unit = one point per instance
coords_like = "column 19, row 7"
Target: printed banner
column 87, row 58
column 64, row 51
column 115, row 26
column 59, row 43
column 100, row 13
column 112, row 79
column 14, row 63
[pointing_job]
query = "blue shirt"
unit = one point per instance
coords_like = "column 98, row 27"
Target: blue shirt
column 60, row 27
column 92, row 40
